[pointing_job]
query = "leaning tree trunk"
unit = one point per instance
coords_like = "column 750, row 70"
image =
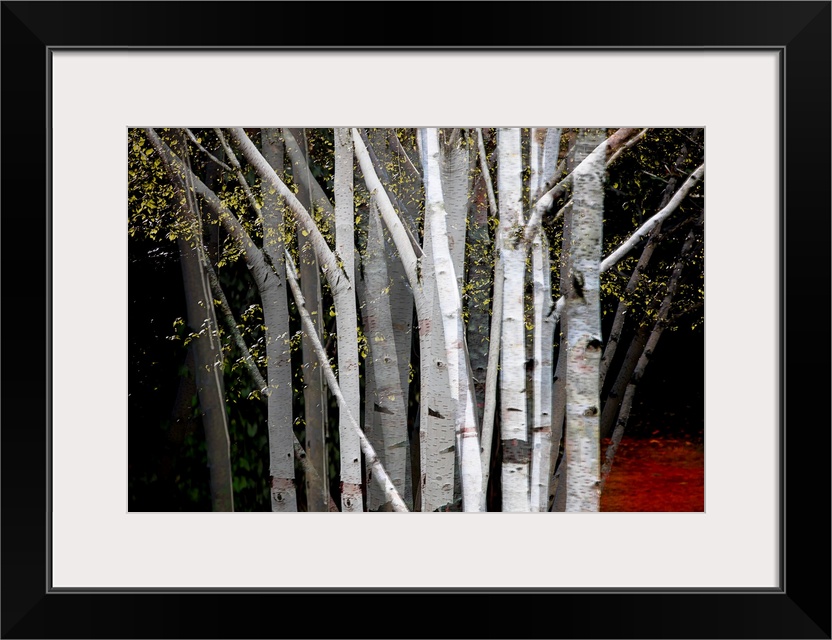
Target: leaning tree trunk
column 207, row 352
column 640, row 269
column 202, row 322
column 583, row 311
column 647, row 352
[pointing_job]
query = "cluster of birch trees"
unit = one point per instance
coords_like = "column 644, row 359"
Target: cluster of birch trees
column 445, row 288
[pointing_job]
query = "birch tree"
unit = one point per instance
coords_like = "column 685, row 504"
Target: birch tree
column 514, row 434
column 584, row 340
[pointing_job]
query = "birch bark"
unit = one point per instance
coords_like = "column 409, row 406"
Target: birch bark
column 583, row 310
column 279, row 368
column 347, row 321
column 386, row 406
column 513, row 412
column 544, row 144
column 450, row 304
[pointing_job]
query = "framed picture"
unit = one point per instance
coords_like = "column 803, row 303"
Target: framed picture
column 754, row 75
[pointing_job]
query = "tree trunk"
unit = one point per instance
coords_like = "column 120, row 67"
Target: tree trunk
column 450, row 303
column 386, row 403
column 208, row 372
column 279, row 368
column 544, row 145
column 202, row 322
column 347, row 322
column 390, row 154
column 315, row 401
column 516, row 455
column 437, row 436
column 583, row 310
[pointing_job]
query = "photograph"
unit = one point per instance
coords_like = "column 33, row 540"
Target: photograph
column 427, row 266
column 416, row 319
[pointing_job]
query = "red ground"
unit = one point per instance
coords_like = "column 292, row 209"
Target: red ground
column 653, row 474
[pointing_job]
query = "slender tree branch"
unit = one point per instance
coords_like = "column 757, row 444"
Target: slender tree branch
column 486, row 174
column 629, row 144
column 238, row 171
column 206, row 152
column 411, row 168
column 231, row 323
column 642, row 232
column 304, row 178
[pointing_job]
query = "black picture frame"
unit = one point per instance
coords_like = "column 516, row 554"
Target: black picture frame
column 800, row 31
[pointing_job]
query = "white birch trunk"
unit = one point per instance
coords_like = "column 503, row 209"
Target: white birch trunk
column 450, row 304
column 544, row 327
column 436, row 427
column 278, row 353
column 544, row 145
column 513, row 412
column 406, row 185
column 456, row 189
column 315, row 400
column 583, row 310
column 386, row 406
column 347, row 323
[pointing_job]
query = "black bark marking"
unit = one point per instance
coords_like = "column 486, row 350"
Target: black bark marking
column 435, row 414
column 516, row 451
column 379, row 409
column 578, row 285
